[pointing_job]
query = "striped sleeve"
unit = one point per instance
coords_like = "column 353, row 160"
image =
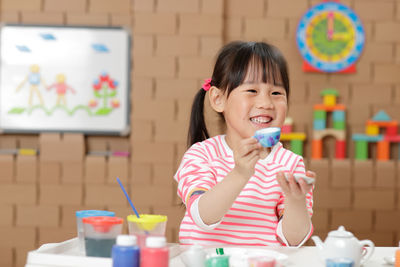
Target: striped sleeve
column 194, row 173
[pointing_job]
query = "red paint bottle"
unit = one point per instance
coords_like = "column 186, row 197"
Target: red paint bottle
column 155, row 253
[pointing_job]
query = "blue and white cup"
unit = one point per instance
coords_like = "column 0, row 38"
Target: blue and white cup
column 339, row 262
column 268, row 137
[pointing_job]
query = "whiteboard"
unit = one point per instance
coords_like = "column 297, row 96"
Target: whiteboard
column 64, row 79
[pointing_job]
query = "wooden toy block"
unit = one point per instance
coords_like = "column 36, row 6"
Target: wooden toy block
column 372, row 129
column 383, row 123
column 392, row 138
column 383, row 150
column 319, row 115
column 329, row 108
column 368, row 138
column 330, row 100
column 286, row 129
column 339, row 115
column 392, row 130
column 296, row 146
column 316, row 149
column 381, row 116
column 293, row 136
column 339, row 125
column 340, row 149
column 361, row 150
column 319, row 124
column 337, row 134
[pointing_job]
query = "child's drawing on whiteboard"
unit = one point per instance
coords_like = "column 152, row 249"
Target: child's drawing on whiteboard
column 61, row 89
column 34, row 79
column 105, row 89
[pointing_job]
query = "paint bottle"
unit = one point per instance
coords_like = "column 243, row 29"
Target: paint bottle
column 218, row 261
column 155, row 253
column 125, row 253
column 397, row 257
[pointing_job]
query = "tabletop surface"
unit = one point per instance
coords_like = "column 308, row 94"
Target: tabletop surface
column 66, row 254
column 308, row 257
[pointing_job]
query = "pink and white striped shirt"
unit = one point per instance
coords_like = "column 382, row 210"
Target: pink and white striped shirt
column 254, row 218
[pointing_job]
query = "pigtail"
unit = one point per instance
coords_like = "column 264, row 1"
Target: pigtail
column 197, row 128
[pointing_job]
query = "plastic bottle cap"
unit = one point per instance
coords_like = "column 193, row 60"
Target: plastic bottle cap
column 155, row 242
column 126, row 240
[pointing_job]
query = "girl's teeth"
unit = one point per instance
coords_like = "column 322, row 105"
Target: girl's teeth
column 260, row 120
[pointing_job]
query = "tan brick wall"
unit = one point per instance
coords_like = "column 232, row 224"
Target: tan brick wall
column 174, row 45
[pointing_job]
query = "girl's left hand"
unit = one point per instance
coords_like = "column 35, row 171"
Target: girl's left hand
column 292, row 189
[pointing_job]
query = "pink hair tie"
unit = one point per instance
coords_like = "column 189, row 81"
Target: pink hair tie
column 207, row 84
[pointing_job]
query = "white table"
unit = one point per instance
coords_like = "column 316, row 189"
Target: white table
column 66, row 254
column 308, row 257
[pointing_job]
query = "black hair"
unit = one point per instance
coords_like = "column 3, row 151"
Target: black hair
column 231, row 68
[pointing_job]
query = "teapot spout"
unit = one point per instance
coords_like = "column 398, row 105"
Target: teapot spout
column 318, row 242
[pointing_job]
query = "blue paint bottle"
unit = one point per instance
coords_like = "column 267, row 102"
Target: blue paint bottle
column 125, row 253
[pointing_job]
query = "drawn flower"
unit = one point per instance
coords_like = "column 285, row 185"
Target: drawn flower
column 96, row 85
column 104, row 77
column 92, row 103
column 112, row 84
column 115, row 103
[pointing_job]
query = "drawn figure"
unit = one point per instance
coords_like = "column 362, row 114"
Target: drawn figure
column 34, row 78
column 61, row 89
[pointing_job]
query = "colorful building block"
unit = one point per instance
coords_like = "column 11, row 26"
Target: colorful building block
column 361, row 150
column 372, row 129
column 339, row 125
column 381, row 130
column 339, row 115
column 319, row 124
column 319, row 115
column 320, row 127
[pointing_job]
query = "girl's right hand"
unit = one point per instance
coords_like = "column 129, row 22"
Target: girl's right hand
column 246, row 154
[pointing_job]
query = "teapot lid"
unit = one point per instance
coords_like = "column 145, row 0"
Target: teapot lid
column 340, row 232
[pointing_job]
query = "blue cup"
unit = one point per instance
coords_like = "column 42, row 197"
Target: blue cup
column 339, row 262
column 268, row 137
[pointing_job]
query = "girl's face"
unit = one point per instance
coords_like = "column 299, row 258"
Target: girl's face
column 253, row 106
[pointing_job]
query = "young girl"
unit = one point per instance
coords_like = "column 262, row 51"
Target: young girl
column 234, row 190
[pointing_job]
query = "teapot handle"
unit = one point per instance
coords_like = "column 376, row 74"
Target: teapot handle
column 366, row 254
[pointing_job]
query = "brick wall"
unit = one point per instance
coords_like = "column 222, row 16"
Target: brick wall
column 174, row 44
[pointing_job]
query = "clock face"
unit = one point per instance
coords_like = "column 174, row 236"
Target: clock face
column 330, row 37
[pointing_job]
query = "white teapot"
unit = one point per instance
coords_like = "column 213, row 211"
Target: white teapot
column 343, row 244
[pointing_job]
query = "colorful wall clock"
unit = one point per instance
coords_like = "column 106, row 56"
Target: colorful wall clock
column 330, row 38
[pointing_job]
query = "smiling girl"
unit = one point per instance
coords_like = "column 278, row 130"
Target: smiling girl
column 234, row 190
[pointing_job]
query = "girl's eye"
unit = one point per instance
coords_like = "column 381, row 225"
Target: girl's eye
column 276, row 93
column 252, row 90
